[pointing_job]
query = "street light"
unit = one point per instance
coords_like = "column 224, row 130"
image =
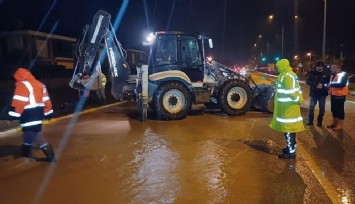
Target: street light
column 282, row 37
column 310, row 57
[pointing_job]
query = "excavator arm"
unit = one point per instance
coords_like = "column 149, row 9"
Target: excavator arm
column 89, row 55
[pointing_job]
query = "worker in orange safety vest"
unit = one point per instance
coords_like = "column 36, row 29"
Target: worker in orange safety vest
column 338, row 89
column 31, row 104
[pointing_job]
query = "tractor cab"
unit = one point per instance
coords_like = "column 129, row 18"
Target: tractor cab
column 177, row 51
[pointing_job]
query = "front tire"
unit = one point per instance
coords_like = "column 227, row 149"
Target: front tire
column 172, row 101
column 235, row 97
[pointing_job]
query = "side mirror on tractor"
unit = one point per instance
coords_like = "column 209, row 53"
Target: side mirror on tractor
column 210, row 43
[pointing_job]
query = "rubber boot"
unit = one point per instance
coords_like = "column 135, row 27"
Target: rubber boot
column 25, row 150
column 335, row 120
column 48, row 151
column 339, row 126
column 290, row 151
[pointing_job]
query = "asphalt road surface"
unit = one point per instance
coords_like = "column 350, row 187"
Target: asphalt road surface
column 108, row 156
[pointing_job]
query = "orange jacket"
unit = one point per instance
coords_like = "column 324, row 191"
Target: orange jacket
column 31, row 102
column 338, row 85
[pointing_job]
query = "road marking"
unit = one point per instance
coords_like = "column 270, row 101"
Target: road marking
column 329, row 189
column 350, row 101
column 12, row 132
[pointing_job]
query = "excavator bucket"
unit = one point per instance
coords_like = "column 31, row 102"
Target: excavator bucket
column 89, row 54
column 263, row 91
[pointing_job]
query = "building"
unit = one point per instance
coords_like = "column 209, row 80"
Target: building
column 136, row 58
column 27, row 47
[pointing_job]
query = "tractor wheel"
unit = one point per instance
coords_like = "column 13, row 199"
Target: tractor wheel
column 151, row 106
column 235, row 97
column 172, row 101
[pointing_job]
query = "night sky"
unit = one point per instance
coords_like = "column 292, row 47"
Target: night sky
column 234, row 25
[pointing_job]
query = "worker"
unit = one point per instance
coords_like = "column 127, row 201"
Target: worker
column 317, row 80
column 287, row 114
column 100, row 92
column 31, row 104
column 338, row 89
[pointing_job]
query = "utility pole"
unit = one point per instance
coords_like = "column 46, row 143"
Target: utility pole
column 324, row 29
column 282, row 43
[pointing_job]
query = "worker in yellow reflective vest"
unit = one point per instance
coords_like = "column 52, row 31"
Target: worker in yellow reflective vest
column 287, row 114
column 100, row 91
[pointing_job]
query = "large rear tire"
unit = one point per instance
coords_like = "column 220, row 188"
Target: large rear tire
column 172, row 101
column 235, row 97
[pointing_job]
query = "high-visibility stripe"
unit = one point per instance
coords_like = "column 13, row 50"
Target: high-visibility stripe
column 32, row 123
column 34, row 105
column 30, row 89
column 49, row 112
column 339, row 78
column 289, row 120
column 44, row 145
column 45, row 98
column 21, row 98
column 14, row 114
column 288, row 99
column 288, row 91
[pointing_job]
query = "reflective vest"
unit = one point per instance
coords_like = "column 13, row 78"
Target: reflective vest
column 103, row 80
column 288, row 97
column 338, row 85
column 30, row 104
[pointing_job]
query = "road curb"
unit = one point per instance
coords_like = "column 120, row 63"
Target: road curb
column 11, row 132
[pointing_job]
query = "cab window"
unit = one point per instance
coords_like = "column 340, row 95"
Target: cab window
column 164, row 52
column 190, row 54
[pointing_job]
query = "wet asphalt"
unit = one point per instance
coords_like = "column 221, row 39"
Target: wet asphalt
column 109, row 156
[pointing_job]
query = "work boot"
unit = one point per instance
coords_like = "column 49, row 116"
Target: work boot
column 287, row 156
column 339, row 126
column 25, row 150
column 334, row 124
column 310, row 120
column 290, row 151
column 319, row 121
column 48, row 151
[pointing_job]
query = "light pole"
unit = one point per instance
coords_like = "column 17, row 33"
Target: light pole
column 271, row 17
column 341, row 53
column 310, row 57
column 282, row 42
column 324, row 29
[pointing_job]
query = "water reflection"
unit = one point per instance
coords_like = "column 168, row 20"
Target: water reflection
column 155, row 179
column 211, row 160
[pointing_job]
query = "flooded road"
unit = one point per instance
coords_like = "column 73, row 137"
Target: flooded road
column 111, row 157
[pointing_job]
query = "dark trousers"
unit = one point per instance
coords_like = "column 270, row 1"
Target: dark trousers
column 337, row 106
column 312, row 104
column 30, row 137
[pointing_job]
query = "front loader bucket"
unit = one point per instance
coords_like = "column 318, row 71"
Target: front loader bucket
column 263, row 97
